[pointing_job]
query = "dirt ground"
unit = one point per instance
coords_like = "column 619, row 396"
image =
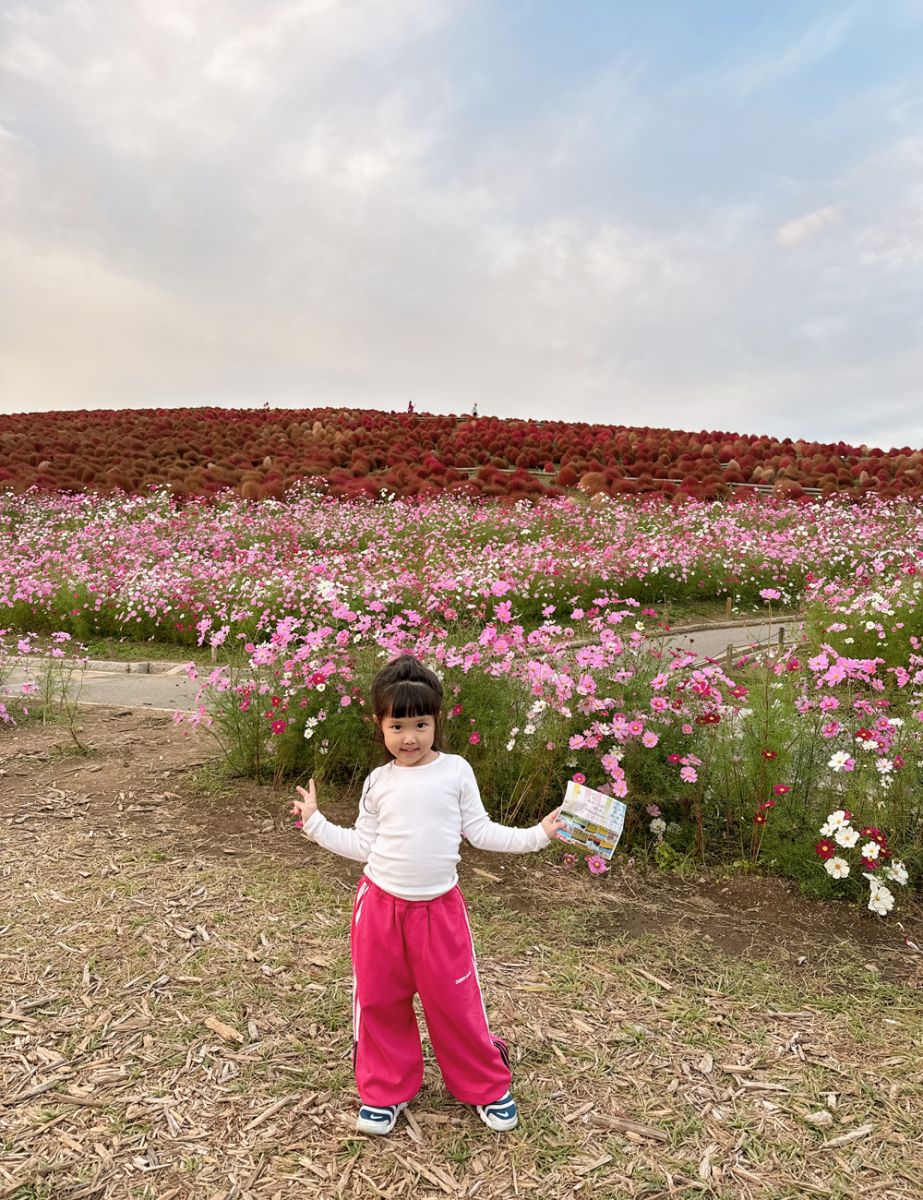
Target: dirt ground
column 174, row 1009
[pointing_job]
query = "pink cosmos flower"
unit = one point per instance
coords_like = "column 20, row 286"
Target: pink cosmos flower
column 771, row 594
column 475, row 738
column 653, row 810
column 278, row 727
column 578, row 777
column 597, row 864
column 688, row 775
column 568, row 861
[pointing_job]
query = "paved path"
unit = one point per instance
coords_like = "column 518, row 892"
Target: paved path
column 713, row 642
column 122, row 689
column 168, row 688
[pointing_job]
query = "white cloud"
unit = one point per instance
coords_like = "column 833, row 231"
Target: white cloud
column 314, row 203
column 822, row 328
column 817, row 42
column 805, row 227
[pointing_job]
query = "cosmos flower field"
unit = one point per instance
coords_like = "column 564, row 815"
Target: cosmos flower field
column 546, row 621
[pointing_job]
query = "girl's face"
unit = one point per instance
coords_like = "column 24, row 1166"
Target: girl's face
column 410, row 739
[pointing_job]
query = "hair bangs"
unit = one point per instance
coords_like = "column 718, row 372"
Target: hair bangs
column 409, row 698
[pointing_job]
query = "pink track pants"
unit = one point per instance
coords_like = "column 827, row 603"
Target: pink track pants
column 400, row 947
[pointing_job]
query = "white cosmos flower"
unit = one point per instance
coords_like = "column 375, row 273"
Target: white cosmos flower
column 837, row 819
column 884, row 765
column 658, row 825
column 897, row 872
column 881, row 901
column 870, row 850
column 839, row 760
column 827, row 830
column 837, row 867
column 845, row 836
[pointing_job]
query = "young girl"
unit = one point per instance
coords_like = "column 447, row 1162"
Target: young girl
column 410, row 931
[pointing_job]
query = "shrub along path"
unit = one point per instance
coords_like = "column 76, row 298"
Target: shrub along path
column 176, row 1000
column 166, row 687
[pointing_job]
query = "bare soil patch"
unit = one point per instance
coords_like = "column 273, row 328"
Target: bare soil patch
column 175, row 1000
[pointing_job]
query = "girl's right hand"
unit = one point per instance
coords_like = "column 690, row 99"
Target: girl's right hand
column 306, row 807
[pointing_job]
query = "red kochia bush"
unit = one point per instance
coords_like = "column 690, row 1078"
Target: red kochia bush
column 262, row 452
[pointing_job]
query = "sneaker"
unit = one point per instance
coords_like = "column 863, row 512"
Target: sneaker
column 501, row 1115
column 378, row 1119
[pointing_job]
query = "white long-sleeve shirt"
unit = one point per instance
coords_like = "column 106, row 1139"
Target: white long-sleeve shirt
column 410, row 824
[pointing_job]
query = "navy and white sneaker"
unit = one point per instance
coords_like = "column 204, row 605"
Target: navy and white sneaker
column 378, row 1119
column 501, row 1115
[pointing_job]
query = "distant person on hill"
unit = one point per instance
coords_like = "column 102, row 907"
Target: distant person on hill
column 410, row 406
column 410, row 932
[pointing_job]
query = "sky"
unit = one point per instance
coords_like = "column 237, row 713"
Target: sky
column 698, row 216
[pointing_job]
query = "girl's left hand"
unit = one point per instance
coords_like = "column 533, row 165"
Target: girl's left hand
column 552, row 823
column 305, row 808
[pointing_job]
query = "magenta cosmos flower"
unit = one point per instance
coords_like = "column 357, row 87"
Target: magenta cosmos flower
column 597, row 864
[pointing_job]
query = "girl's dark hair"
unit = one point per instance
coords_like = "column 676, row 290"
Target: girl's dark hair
column 405, row 688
